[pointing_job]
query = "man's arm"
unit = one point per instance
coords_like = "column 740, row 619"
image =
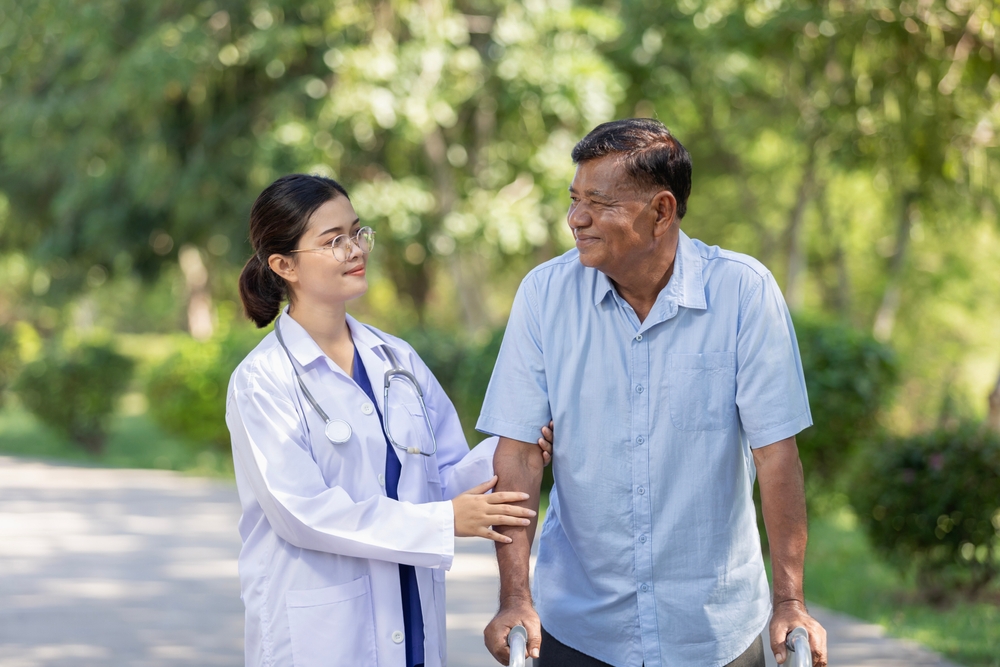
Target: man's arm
column 783, row 504
column 519, row 468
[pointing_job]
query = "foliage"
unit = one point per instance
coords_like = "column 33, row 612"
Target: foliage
column 852, row 147
column 76, row 390
column 849, row 376
column 463, row 367
column 932, row 502
column 187, row 392
column 10, row 360
column 845, row 574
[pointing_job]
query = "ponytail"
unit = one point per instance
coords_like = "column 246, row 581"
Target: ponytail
column 278, row 219
column 261, row 292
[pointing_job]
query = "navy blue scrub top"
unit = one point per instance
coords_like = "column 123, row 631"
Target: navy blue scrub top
column 413, row 619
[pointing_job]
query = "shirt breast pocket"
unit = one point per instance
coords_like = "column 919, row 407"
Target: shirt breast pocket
column 702, row 390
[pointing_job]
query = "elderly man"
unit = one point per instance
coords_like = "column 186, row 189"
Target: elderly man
column 673, row 376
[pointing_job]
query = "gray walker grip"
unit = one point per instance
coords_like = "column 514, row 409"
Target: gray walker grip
column 517, row 640
column 799, row 653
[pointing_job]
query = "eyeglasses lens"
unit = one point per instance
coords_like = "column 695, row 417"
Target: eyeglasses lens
column 364, row 238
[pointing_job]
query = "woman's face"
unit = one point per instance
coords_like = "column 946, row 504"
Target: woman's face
column 318, row 277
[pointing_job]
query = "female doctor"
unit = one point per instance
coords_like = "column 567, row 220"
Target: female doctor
column 346, row 452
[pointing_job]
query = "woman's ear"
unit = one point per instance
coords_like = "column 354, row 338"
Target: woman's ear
column 284, row 267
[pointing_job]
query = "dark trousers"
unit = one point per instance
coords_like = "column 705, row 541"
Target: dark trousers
column 556, row 654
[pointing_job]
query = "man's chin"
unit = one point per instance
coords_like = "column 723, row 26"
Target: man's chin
column 590, row 260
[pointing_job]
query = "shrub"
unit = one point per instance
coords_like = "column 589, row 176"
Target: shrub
column 75, row 391
column 933, row 502
column 187, row 392
column 850, row 377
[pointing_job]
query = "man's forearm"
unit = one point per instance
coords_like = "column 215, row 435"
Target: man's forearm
column 519, row 466
column 783, row 504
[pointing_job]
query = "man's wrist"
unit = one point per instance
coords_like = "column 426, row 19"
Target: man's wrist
column 778, row 603
column 516, row 599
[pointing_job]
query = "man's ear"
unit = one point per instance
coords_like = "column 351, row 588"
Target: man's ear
column 284, row 267
column 664, row 205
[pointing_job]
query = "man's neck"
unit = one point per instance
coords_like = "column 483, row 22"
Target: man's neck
column 641, row 283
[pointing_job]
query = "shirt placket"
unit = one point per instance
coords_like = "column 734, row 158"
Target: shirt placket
column 642, row 535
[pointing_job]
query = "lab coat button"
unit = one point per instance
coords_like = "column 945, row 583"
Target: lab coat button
column 367, row 408
column 381, row 479
column 397, row 637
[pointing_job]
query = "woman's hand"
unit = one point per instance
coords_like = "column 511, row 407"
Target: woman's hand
column 475, row 511
column 545, row 442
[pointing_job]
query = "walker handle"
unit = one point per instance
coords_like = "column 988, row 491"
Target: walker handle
column 799, row 653
column 517, row 640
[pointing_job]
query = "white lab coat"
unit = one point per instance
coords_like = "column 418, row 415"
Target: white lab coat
column 321, row 540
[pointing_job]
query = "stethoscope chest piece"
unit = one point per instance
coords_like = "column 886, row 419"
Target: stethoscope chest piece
column 337, row 431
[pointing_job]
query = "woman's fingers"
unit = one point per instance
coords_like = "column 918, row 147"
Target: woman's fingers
column 507, row 520
column 495, row 536
column 509, row 510
column 501, row 497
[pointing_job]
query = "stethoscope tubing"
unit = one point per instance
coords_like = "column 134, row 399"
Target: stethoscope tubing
column 333, row 426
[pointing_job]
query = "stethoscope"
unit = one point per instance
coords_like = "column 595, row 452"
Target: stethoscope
column 338, row 431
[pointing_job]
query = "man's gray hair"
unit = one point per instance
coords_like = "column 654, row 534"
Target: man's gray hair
column 652, row 157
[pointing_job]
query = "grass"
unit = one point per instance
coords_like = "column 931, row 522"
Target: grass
column 844, row 574
column 134, row 442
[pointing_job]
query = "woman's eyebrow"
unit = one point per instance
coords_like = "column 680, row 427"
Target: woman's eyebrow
column 338, row 228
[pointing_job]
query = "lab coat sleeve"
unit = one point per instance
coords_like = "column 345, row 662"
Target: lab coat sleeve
column 459, row 468
column 269, row 448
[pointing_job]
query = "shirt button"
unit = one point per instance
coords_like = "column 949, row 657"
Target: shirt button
column 644, row 588
column 642, row 538
column 638, row 388
column 641, row 490
column 381, row 479
column 640, row 440
column 367, row 408
column 639, row 337
column 397, row 637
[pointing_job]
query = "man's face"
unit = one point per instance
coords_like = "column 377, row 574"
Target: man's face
column 610, row 219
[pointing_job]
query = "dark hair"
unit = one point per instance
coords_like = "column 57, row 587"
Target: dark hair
column 278, row 219
column 652, row 157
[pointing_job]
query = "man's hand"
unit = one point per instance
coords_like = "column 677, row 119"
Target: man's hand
column 514, row 611
column 545, row 442
column 788, row 615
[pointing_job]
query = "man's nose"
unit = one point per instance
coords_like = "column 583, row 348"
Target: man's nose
column 577, row 217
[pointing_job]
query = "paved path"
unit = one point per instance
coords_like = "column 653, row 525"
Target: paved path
column 138, row 568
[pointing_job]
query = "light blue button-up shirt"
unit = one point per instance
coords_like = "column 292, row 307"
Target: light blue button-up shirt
column 649, row 554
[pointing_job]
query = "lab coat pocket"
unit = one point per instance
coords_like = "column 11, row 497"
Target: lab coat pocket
column 702, row 390
column 332, row 626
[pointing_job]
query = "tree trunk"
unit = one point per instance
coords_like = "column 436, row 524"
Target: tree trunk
column 885, row 318
column 993, row 418
column 199, row 307
column 795, row 276
column 840, row 299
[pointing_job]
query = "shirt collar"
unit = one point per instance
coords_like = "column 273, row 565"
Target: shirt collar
column 306, row 351
column 686, row 286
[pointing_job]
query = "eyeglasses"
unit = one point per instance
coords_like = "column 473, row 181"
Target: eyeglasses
column 364, row 239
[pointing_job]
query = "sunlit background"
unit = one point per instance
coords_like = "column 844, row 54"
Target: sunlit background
column 850, row 145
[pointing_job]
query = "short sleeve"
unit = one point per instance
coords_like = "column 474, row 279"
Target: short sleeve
column 517, row 400
column 770, row 387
